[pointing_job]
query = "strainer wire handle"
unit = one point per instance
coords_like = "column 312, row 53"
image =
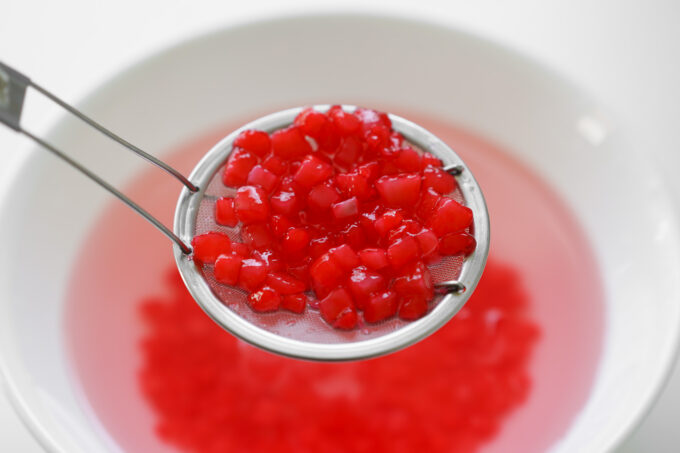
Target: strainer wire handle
column 13, row 86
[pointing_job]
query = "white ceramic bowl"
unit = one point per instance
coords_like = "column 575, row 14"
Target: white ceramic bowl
column 549, row 124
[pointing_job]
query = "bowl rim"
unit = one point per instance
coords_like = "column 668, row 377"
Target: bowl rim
column 142, row 62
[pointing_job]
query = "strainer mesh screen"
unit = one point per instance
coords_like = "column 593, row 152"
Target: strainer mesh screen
column 308, row 326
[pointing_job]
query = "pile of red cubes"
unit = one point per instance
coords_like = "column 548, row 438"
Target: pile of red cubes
column 341, row 206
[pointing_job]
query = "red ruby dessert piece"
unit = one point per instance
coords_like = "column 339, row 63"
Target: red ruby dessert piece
column 238, row 166
column 387, row 222
column 253, row 273
column 353, row 235
column 374, row 258
column 257, row 142
column 311, row 122
column 326, row 272
column 457, row 243
column 257, row 236
column 403, row 251
column 430, row 159
column 428, row 202
column 427, row 242
column 354, row 185
column 280, row 225
column 275, row 164
column 369, row 118
column 439, row 180
column 285, row 284
column 408, row 160
column 312, row 171
column 251, row 204
column 322, row 196
column 260, row 176
column 363, row 283
column 320, row 245
column 295, row 241
column 348, row 152
column 290, row 143
column 337, row 309
column 450, row 216
column 344, row 210
column 227, row 268
column 208, row 246
column 369, row 170
column 345, row 123
column 225, row 213
column 285, row 201
column 412, row 308
column 241, row 249
column 402, row 191
column 414, row 281
column 381, row 306
column 264, row 299
column 294, row 302
column 344, row 257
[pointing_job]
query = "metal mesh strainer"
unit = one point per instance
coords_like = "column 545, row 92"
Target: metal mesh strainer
column 306, row 336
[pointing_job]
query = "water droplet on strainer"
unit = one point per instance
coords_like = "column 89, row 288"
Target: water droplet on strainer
column 307, row 336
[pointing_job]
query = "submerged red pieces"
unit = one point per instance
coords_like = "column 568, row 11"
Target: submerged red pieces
column 337, row 207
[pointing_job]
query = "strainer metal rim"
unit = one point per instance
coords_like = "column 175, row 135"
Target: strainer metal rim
column 473, row 266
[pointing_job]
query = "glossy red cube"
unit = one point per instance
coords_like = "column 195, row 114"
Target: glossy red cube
column 401, row 191
column 238, row 166
column 457, row 244
column 251, row 204
column 294, row 302
column 252, row 274
column 257, row 142
column 346, row 209
column 290, row 143
column 374, row 258
column 403, row 251
column 337, row 309
column 284, row 283
column 381, row 306
column 208, row 246
column 225, row 213
column 450, row 216
column 312, row 171
column 227, row 268
column 363, row 283
column 264, row 300
column 260, row 176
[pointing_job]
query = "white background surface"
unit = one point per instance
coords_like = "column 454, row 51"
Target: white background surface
column 606, row 46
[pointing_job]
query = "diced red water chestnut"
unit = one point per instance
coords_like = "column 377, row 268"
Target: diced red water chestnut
column 430, row 159
column 326, row 272
column 345, row 123
column 369, row 117
column 428, row 202
column 290, row 143
column 363, row 283
column 295, row 241
column 408, row 159
column 294, row 302
column 401, row 191
column 388, row 221
column 370, row 170
column 257, row 236
column 279, row 225
column 450, row 216
column 412, row 308
column 286, row 202
column 427, row 242
column 457, row 243
column 225, row 213
column 439, row 180
column 251, row 204
column 354, row 185
column 353, row 235
column 270, row 259
column 381, row 306
column 238, row 166
column 285, row 284
column 348, row 152
column 320, row 245
column 322, row 196
column 257, row 142
column 241, row 249
column 260, row 176
column 374, row 258
column 275, row 164
column 227, row 268
column 377, row 139
column 312, row 171
column 414, row 281
column 403, row 251
column 311, row 122
column 344, row 256
column 253, row 273
column 208, row 246
column 264, row 299
column 337, row 309
column 346, row 209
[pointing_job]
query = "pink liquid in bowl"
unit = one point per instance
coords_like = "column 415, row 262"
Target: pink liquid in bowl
column 124, row 262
